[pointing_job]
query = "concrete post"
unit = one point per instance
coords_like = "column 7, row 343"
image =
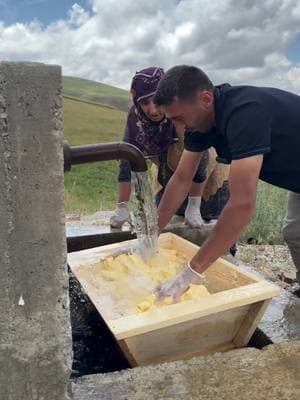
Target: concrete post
column 35, row 338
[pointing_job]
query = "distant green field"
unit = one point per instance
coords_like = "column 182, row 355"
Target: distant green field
column 90, row 188
column 87, row 123
column 96, row 92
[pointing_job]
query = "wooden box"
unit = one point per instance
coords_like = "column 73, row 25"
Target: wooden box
column 222, row 321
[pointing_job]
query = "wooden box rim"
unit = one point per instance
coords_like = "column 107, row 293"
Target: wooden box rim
column 133, row 325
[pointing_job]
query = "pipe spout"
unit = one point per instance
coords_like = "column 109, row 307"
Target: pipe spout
column 104, row 152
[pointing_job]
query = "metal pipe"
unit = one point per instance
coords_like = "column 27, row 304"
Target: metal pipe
column 104, row 152
column 76, row 243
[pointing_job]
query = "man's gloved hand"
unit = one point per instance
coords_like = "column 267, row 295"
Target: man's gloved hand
column 121, row 215
column 175, row 287
column 192, row 213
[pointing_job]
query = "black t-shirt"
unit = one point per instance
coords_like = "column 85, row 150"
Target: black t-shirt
column 251, row 121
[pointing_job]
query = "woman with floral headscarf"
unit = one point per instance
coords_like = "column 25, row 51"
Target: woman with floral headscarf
column 148, row 129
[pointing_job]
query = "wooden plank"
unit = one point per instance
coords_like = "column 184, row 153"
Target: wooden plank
column 96, row 254
column 198, row 336
column 202, row 352
column 127, row 353
column 181, row 312
column 250, row 323
column 185, row 356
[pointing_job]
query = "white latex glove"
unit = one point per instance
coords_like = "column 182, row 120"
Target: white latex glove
column 175, row 287
column 121, row 215
column 192, row 213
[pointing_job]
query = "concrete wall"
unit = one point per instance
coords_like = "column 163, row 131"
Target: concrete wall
column 244, row 374
column 35, row 339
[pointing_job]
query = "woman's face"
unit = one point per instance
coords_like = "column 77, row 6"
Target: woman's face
column 151, row 110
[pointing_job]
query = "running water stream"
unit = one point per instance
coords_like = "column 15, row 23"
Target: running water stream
column 144, row 215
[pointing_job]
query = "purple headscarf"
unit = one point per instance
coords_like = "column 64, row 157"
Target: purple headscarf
column 152, row 138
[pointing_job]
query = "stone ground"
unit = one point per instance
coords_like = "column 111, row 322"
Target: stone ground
column 272, row 373
column 273, row 261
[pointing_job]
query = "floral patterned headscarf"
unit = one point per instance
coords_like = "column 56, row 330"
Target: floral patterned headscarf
column 152, row 138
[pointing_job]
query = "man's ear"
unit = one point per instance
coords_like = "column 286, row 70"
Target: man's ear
column 206, row 99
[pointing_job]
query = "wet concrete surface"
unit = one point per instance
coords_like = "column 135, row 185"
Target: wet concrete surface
column 72, row 231
column 94, row 224
column 281, row 321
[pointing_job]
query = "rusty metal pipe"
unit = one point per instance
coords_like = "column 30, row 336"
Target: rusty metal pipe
column 104, row 152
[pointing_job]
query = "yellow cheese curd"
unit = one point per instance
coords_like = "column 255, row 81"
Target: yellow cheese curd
column 194, row 292
column 165, row 264
column 130, row 277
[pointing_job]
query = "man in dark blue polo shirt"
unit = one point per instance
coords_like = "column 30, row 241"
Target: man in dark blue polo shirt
column 256, row 131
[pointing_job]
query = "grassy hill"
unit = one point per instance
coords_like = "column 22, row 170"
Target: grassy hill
column 96, row 92
column 90, row 188
column 89, row 123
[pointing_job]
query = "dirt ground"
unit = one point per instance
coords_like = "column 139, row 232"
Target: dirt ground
column 273, row 261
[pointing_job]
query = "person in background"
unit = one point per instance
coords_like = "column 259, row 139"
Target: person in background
column 216, row 188
column 155, row 135
column 254, row 129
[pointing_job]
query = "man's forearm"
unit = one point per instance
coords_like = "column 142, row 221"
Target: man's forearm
column 230, row 225
column 173, row 197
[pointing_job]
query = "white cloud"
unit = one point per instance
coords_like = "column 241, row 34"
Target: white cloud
column 235, row 41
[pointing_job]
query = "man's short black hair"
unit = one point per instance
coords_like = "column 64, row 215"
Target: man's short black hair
column 183, row 82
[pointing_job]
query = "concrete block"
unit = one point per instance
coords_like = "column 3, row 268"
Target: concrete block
column 281, row 321
column 271, row 373
column 194, row 235
column 35, row 338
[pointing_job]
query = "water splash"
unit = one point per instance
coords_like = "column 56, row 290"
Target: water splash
column 144, row 214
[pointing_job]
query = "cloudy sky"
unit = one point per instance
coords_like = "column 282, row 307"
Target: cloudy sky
column 237, row 41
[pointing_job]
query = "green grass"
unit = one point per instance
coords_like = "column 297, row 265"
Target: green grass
column 90, row 188
column 96, row 92
column 270, row 210
column 88, row 102
column 86, row 123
